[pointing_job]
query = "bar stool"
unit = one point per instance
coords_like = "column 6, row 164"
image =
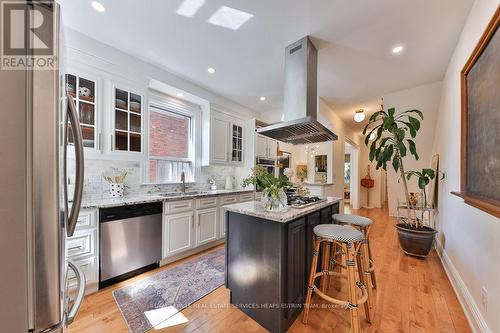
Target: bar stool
column 363, row 224
column 349, row 240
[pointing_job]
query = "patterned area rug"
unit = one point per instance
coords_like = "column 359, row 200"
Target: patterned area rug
column 149, row 303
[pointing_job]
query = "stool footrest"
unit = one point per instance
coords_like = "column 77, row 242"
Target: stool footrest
column 345, row 304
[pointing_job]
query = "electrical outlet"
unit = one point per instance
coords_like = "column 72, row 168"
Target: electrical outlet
column 484, row 297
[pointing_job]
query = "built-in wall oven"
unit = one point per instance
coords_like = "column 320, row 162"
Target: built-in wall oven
column 268, row 164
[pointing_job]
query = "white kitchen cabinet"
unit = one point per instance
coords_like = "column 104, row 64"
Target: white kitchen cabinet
column 127, row 123
column 261, row 149
column 272, row 147
column 227, row 145
column 178, row 233
column 85, row 89
column 83, row 249
column 206, row 225
column 225, row 200
column 266, row 147
column 219, row 138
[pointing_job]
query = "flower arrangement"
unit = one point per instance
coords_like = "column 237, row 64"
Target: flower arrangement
column 273, row 195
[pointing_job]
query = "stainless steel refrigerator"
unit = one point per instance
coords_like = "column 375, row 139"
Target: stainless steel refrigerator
column 35, row 216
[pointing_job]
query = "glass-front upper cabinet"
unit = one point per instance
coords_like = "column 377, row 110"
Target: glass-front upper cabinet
column 83, row 91
column 237, row 143
column 127, row 126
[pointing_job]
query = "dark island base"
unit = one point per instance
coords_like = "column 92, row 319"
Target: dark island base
column 267, row 265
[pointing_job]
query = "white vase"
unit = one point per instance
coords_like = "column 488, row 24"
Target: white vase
column 116, row 190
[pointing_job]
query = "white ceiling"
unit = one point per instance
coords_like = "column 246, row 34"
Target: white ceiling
column 354, row 39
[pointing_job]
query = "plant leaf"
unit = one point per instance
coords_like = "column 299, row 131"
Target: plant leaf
column 422, row 183
column 400, row 134
column 395, row 164
column 429, row 172
column 372, row 151
column 420, row 114
column 391, row 112
column 402, row 149
column 415, row 122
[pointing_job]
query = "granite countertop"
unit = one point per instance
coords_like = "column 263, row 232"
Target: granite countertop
column 106, row 201
column 257, row 209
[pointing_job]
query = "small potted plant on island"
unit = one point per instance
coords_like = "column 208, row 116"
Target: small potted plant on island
column 274, row 188
column 393, row 141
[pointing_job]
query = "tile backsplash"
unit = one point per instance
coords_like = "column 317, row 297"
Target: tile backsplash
column 96, row 187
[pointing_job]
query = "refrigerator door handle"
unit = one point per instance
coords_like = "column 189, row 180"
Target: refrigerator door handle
column 78, row 139
column 80, row 277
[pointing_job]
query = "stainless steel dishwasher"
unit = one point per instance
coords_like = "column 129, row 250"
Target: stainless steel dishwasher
column 130, row 241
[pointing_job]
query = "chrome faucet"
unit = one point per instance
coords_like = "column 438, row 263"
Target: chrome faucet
column 183, row 181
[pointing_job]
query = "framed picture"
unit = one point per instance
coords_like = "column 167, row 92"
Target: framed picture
column 480, row 123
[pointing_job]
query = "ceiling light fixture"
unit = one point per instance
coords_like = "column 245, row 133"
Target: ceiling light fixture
column 98, row 7
column 397, row 49
column 229, row 18
column 189, row 8
column 262, row 98
column 359, row 116
column 372, row 136
column 211, row 70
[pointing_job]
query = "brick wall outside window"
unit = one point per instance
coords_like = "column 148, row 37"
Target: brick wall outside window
column 168, row 135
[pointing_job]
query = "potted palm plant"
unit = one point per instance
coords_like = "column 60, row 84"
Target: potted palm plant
column 392, row 142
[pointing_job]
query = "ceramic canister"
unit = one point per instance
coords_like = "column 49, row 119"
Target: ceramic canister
column 116, row 190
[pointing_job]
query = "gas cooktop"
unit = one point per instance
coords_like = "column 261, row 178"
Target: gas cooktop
column 301, row 202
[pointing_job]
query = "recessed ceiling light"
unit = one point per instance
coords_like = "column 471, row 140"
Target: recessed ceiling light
column 98, row 7
column 262, row 98
column 359, row 116
column 180, row 95
column 397, row 49
column 211, row 70
column 230, row 18
column 189, row 8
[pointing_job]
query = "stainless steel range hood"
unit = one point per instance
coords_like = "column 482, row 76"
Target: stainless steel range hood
column 300, row 124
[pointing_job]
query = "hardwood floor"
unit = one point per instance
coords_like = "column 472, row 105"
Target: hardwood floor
column 413, row 295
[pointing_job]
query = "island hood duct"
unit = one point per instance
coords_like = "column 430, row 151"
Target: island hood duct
column 300, row 124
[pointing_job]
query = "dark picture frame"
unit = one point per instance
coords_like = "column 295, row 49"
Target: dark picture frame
column 480, row 110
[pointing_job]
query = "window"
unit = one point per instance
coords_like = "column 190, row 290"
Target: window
column 171, row 148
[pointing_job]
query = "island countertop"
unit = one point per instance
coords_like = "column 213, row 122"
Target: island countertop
column 257, row 209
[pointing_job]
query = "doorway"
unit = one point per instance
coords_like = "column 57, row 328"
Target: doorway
column 351, row 176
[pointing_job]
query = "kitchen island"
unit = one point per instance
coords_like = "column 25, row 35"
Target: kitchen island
column 268, row 256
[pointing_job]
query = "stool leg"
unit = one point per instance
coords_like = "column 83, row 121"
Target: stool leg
column 364, row 279
column 310, row 286
column 332, row 262
column 370, row 259
column 325, row 279
column 365, row 253
column 351, row 280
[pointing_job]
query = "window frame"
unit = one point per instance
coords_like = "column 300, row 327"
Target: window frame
column 162, row 106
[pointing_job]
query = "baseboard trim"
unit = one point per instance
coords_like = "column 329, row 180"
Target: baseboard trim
column 469, row 305
column 188, row 253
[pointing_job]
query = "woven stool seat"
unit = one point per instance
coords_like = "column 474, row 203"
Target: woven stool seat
column 351, row 219
column 340, row 233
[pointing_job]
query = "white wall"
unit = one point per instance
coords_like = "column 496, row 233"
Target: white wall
column 469, row 237
column 426, row 99
column 329, row 118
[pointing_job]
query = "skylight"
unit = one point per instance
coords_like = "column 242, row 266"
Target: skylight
column 229, row 18
column 189, row 8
